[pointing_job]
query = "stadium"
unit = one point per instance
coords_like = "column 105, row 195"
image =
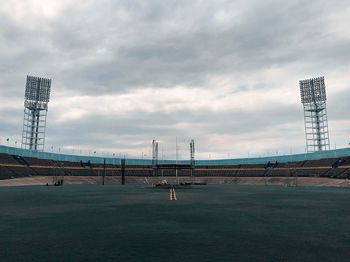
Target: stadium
column 60, row 207
column 286, row 208
column 20, row 166
column 154, row 142
column 32, row 164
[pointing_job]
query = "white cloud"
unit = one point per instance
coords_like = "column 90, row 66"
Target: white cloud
column 31, row 10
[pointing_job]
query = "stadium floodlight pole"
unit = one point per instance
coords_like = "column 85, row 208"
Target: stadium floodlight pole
column 177, row 157
column 313, row 98
column 192, row 151
column 37, row 97
column 154, row 156
column 104, row 171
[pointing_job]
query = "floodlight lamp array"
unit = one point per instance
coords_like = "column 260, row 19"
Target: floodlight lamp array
column 38, row 89
column 312, row 90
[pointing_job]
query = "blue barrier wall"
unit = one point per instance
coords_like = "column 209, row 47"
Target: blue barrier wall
column 343, row 152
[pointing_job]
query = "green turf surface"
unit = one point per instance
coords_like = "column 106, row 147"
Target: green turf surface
column 209, row 223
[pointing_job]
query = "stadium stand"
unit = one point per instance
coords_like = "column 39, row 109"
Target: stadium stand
column 19, row 163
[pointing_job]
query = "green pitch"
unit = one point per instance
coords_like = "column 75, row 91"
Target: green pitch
column 208, row 223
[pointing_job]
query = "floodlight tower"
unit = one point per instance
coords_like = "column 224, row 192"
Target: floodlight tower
column 37, row 97
column 154, row 156
column 192, row 151
column 313, row 98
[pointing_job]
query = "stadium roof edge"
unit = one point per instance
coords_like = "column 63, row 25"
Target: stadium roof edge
column 342, row 152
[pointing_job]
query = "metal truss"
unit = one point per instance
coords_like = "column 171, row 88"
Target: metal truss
column 313, row 98
column 37, row 96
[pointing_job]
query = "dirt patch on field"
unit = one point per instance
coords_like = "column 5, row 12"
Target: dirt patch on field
column 282, row 181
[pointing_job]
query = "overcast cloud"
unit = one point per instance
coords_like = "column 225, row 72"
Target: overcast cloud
column 224, row 73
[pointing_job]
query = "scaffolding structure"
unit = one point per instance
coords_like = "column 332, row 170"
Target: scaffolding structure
column 37, row 97
column 154, row 157
column 192, row 152
column 313, row 98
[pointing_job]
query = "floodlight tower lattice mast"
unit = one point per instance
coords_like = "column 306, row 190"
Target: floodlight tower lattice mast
column 313, row 98
column 192, row 151
column 154, row 156
column 37, row 97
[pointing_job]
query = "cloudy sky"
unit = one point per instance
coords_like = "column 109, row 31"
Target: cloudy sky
column 224, row 73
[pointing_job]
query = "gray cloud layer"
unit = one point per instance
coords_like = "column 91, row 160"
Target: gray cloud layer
column 251, row 51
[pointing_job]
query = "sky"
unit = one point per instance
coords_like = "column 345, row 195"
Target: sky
column 224, row 73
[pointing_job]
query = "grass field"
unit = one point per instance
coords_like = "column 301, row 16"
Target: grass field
column 208, row 223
